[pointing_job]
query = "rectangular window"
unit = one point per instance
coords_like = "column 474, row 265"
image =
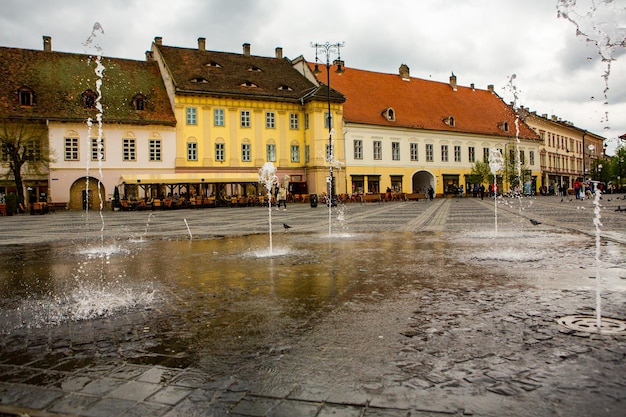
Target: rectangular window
column 294, row 121
column 129, row 152
column 245, row 118
column 531, row 157
column 155, row 149
column 97, row 149
column 306, row 121
column 192, row 151
column 295, row 153
column 26, row 98
column 71, row 149
column 33, row 151
column 395, row 151
column 246, row 152
column 522, row 157
column 358, row 149
column 326, row 120
column 457, row 153
column 430, row 154
column 271, row 152
column 218, row 117
column 378, row 150
column 471, row 152
column 4, row 153
column 486, row 155
column 444, row 153
column 270, row 120
column 192, row 115
column 307, row 153
column 414, row 152
column 219, row 152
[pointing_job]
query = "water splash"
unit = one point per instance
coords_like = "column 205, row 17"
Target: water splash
column 269, row 179
column 601, row 23
column 94, row 48
column 496, row 162
column 188, row 230
column 598, row 224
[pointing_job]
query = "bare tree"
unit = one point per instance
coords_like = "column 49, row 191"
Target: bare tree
column 24, row 147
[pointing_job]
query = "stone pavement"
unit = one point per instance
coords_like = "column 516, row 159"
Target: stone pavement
column 512, row 361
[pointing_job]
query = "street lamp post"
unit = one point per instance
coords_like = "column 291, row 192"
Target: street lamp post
column 327, row 49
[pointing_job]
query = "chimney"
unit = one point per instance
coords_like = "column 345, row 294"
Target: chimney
column 405, row 73
column 201, row 44
column 472, row 85
column 279, row 52
column 490, row 87
column 158, row 40
column 149, row 56
column 47, row 44
column 453, row 81
column 246, row 49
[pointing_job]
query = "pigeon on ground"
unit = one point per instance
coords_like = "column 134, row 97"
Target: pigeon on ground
column 286, row 226
column 535, row 222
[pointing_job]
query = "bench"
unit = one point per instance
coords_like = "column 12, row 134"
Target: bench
column 371, row 198
column 415, row 196
column 57, row 206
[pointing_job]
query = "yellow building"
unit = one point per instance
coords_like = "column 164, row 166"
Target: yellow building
column 235, row 112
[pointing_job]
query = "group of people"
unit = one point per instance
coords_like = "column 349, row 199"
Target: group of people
column 280, row 195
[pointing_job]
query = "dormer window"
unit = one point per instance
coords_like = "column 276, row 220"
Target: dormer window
column 26, row 97
column 199, row 80
column 213, row 64
column 390, row 114
column 139, row 101
column 449, row 121
column 89, row 99
column 285, row 88
column 504, row 126
column 248, row 84
column 255, row 69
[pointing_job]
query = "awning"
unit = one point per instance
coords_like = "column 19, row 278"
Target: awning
column 191, row 178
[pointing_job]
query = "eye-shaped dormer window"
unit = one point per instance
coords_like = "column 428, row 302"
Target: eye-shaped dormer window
column 390, row 114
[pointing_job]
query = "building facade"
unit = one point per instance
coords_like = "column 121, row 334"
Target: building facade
column 236, row 112
column 405, row 134
column 100, row 126
column 568, row 153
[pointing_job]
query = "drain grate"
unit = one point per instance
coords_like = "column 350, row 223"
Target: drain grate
column 590, row 324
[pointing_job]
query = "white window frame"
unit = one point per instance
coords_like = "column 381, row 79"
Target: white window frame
column 191, row 115
column 219, row 117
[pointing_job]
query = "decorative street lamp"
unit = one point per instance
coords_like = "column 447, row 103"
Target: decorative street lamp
column 329, row 49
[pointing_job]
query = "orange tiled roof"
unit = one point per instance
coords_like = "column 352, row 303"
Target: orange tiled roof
column 59, row 79
column 422, row 104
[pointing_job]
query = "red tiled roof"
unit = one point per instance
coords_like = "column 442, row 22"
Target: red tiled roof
column 58, row 80
column 422, row 104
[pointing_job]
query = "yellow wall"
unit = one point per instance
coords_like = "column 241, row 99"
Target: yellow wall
column 206, row 135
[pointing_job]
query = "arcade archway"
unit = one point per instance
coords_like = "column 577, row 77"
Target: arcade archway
column 421, row 180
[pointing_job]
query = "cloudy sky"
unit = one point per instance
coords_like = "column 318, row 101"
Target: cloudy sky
column 482, row 41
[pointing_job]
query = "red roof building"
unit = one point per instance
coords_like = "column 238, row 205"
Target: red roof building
column 406, row 134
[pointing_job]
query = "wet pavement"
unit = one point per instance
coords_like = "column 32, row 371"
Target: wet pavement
column 409, row 309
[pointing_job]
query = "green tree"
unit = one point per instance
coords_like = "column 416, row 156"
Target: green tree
column 481, row 173
column 513, row 168
column 24, row 146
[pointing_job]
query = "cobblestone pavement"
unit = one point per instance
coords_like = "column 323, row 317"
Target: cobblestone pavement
column 445, row 343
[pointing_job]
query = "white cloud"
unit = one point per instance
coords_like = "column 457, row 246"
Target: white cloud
column 482, row 41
